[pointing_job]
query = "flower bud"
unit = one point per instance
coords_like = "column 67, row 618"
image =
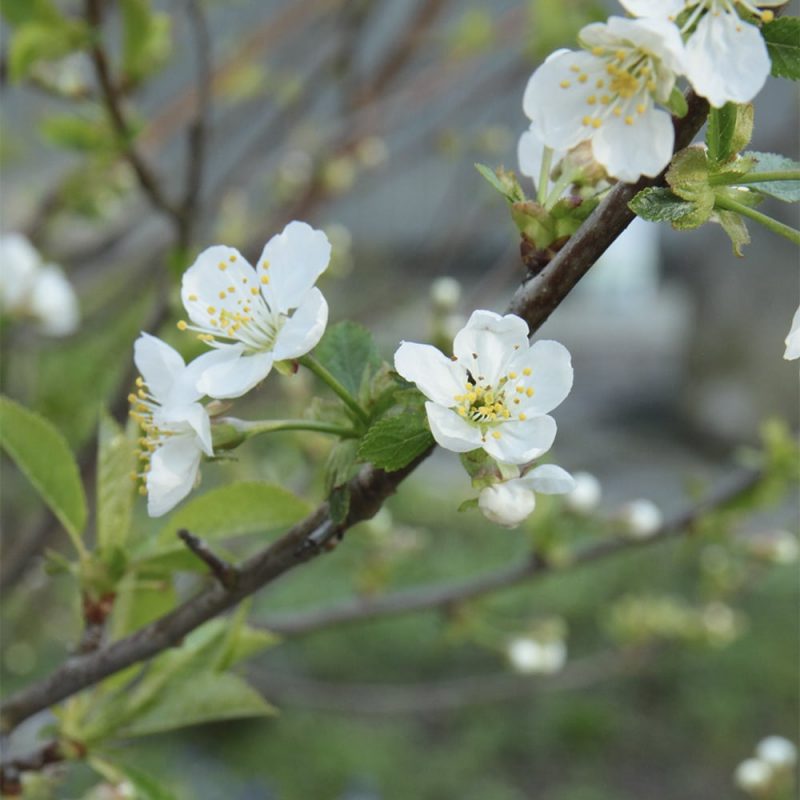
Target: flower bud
column 585, row 497
column 445, row 293
column 753, row 776
column 777, row 751
column 642, row 518
column 531, row 656
column 507, row 504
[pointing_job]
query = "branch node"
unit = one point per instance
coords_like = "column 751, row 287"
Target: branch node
column 227, row 574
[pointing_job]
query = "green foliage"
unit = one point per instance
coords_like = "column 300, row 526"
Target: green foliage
column 788, row 191
column 348, row 352
column 43, row 455
column 503, row 181
column 729, row 131
column 82, row 134
column 677, row 104
column 393, row 442
column 145, row 38
column 116, row 459
column 145, row 787
column 20, row 12
column 783, row 43
column 661, row 205
column 341, row 463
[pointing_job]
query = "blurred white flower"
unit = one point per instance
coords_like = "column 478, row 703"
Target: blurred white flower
column 31, row 288
column 446, row 293
column 495, row 392
column 531, row 657
column 641, row 518
column 753, row 776
column 255, row 317
column 585, row 497
column 777, row 751
column 792, row 340
column 510, row 502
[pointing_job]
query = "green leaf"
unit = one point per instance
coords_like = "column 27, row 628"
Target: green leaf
column 116, row 459
column 504, row 182
column 205, row 697
column 677, row 103
column 661, row 205
column 688, row 176
column 341, row 464
column 733, row 224
column 783, row 43
column 42, row 454
column 145, row 787
column 393, row 442
column 40, row 41
column 468, row 505
column 348, row 351
column 788, row 191
column 145, row 38
column 19, row 12
column 77, row 133
column 339, row 504
column 719, row 133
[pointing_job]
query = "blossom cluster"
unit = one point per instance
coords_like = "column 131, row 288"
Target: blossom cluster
column 608, row 93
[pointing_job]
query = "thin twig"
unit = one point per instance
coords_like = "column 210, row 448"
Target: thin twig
column 227, row 574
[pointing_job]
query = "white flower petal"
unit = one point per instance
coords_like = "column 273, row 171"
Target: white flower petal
column 628, row 151
column 792, row 340
column 726, row 59
column 173, row 471
column 235, row 375
column 451, row 431
column 159, row 365
column 550, row 375
column 658, row 37
column 19, row 266
column 549, row 479
column 435, row 375
column 295, row 258
column 488, row 342
column 654, row 8
column 54, row 303
column 188, row 419
column 520, row 442
column 507, row 503
column 303, row 330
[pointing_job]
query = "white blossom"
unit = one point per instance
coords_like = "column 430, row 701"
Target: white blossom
column 177, row 429
column 642, row 518
column 585, row 497
column 509, row 502
column 753, row 776
column 777, row 751
column 496, row 390
column 256, row 317
column 531, row 656
column 792, row 340
column 726, row 58
column 445, row 293
column 32, row 288
column 606, row 94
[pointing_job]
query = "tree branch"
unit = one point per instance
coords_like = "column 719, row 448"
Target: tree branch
column 534, row 302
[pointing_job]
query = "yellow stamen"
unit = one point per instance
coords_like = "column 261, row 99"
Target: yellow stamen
column 182, row 325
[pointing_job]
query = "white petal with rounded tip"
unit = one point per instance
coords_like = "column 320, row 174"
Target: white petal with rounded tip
column 173, row 471
column 551, row 376
column 217, row 282
column 159, row 365
column 296, row 258
column 192, row 418
column 488, row 342
column 303, row 330
column 520, row 442
column 435, row 375
column 451, row 431
column 234, row 376
column 507, row 503
column 630, row 151
column 19, row 266
column 54, row 303
column 726, row 59
column 658, row 37
column 792, row 341
column 653, row 8
column 549, row 479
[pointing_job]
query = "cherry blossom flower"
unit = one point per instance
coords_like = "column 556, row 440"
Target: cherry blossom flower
column 256, row 316
column 510, row 502
column 726, row 58
column 777, row 751
column 496, row 391
column 792, row 340
column 530, row 656
column 32, row 288
column 606, row 94
column 177, row 429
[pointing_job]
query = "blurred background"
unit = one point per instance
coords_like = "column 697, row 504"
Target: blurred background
column 365, row 117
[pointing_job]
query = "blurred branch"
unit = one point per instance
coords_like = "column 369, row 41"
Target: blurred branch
column 369, row 489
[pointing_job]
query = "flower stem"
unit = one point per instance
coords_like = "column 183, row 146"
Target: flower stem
column 544, row 176
column 255, row 428
column 768, row 222
column 724, row 179
column 324, row 375
column 558, row 189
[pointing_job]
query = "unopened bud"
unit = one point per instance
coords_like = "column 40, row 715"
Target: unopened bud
column 642, row 518
column 777, row 751
column 445, row 293
column 585, row 497
column 753, row 776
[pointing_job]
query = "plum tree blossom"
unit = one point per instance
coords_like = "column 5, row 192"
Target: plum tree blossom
column 530, row 656
column 606, row 94
column 35, row 289
column 496, row 391
column 792, row 340
column 509, row 502
column 177, row 428
column 256, row 317
column 726, row 58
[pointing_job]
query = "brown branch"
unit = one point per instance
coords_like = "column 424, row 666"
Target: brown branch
column 53, row 752
column 534, row 302
column 227, row 574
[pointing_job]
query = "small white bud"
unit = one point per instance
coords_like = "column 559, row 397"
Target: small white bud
column 777, row 751
column 585, row 497
column 530, row 656
column 507, row 503
column 53, row 302
column 642, row 518
column 753, row 776
column 445, row 293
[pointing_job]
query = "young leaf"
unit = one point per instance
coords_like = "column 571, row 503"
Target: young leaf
column 504, row 182
column 42, row 41
column 339, row 504
column 84, row 135
column 788, row 191
column 393, row 442
column 661, row 205
column 733, row 224
column 116, row 459
column 145, row 38
column 348, row 351
column 144, row 786
column 341, row 464
column 42, row 454
column 677, row 103
column 783, row 43
column 719, row 133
